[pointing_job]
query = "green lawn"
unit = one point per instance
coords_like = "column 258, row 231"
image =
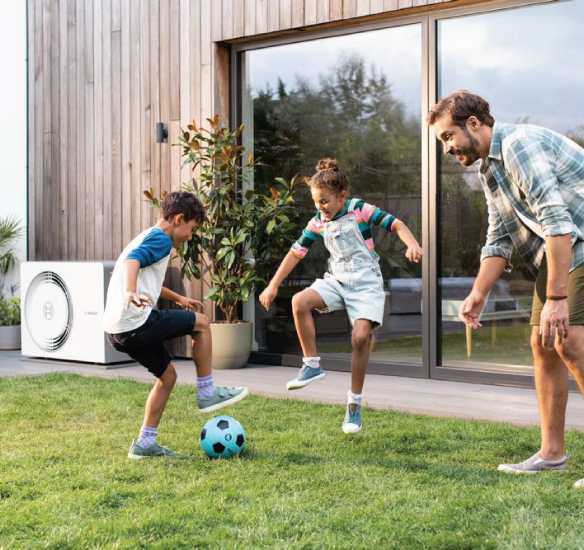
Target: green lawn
column 405, row 482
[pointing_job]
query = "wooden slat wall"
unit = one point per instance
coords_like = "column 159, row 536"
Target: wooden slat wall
column 103, row 72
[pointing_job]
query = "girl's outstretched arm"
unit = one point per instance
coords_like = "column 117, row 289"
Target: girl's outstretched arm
column 414, row 252
column 289, row 262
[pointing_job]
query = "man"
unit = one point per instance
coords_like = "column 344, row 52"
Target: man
column 533, row 181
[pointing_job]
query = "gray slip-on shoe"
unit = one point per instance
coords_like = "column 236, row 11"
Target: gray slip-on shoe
column 536, row 464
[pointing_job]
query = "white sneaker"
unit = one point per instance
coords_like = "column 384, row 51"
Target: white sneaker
column 352, row 422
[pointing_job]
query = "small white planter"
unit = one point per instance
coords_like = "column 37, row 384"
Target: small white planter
column 10, row 337
column 231, row 344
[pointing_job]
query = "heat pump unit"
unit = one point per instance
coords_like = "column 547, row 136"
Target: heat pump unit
column 62, row 311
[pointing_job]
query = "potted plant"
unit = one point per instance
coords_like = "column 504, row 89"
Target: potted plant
column 245, row 234
column 10, row 231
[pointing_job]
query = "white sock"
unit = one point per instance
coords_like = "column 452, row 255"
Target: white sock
column 312, row 362
column 354, row 397
column 147, row 437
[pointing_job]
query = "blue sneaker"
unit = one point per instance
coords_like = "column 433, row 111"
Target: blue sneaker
column 306, row 376
column 352, row 422
column 222, row 397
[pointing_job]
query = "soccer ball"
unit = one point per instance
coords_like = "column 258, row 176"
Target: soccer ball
column 222, row 437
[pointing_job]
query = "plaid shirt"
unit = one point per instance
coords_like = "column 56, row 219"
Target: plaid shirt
column 533, row 179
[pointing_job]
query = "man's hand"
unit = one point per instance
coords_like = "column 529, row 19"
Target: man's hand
column 554, row 323
column 190, row 304
column 268, row 296
column 471, row 309
column 139, row 300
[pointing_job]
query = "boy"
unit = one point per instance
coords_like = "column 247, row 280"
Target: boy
column 134, row 327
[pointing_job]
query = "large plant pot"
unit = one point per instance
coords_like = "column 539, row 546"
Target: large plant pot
column 10, row 337
column 231, row 344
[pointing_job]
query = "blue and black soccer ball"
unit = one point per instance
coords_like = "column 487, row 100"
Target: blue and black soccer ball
column 222, row 437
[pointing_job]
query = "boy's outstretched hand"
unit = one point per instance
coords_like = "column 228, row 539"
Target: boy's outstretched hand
column 414, row 253
column 268, row 296
column 190, row 304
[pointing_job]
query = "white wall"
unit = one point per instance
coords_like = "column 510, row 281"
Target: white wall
column 13, row 115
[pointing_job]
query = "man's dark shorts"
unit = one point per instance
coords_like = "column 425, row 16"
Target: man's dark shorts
column 575, row 295
column 145, row 344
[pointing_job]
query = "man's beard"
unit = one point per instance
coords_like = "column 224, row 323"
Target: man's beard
column 470, row 152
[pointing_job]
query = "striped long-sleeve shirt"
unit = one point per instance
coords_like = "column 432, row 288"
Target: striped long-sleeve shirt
column 365, row 214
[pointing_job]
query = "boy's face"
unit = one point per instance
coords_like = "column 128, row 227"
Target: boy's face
column 328, row 203
column 182, row 230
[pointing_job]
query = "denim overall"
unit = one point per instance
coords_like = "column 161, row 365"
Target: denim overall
column 353, row 281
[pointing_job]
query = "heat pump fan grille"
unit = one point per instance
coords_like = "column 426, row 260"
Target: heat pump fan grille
column 49, row 312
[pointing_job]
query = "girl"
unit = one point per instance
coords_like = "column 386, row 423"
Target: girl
column 353, row 281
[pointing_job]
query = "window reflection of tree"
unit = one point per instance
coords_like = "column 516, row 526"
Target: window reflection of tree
column 349, row 112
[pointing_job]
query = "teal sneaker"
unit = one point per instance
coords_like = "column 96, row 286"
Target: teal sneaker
column 222, row 397
column 352, row 422
column 306, row 376
column 137, row 453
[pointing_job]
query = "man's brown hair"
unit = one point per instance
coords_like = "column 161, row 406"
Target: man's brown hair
column 460, row 105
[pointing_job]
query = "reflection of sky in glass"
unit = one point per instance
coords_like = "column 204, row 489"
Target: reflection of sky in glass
column 396, row 52
column 526, row 62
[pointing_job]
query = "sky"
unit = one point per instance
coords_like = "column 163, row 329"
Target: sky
column 13, row 113
column 525, row 61
column 395, row 51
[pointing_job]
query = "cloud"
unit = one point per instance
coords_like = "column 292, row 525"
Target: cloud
column 524, row 61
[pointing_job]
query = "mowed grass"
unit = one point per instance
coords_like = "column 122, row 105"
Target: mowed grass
column 405, row 481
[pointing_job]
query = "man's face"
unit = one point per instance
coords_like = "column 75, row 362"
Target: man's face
column 457, row 141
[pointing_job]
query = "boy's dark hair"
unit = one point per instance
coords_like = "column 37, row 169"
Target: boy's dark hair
column 330, row 176
column 182, row 202
column 460, row 105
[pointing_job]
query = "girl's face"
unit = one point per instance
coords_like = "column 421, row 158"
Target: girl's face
column 327, row 202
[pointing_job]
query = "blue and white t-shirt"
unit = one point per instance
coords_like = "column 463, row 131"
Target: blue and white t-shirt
column 152, row 249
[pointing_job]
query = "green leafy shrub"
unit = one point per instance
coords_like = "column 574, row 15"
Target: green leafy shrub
column 10, row 231
column 9, row 311
column 246, row 232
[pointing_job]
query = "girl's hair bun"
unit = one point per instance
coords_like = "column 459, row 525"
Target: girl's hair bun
column 327, row 165
column 330, row 176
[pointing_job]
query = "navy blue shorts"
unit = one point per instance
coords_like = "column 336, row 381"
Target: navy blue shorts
column 145, row 344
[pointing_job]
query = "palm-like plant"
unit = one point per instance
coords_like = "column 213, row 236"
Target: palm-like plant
column 10, row 231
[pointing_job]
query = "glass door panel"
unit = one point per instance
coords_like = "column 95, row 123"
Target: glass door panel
column 525, row 63
column 356, row 98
